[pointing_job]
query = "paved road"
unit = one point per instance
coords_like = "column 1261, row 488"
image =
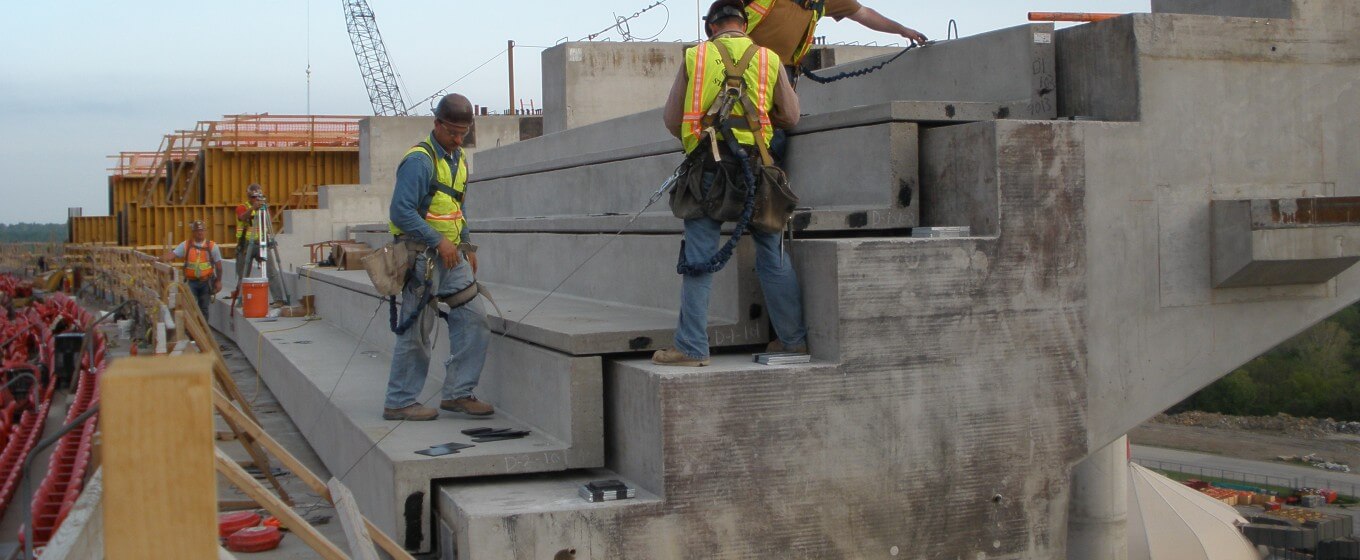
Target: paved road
column 1314, row 476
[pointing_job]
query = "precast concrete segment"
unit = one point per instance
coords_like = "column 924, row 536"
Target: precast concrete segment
column 1232, row 8
column 587, row 82
column 626, row 300
column 336, row 400
column 851, row 178
column 1155, row 314
column 562, row 519
column 1013, row 67
column 1283, row 241
column 959, row 381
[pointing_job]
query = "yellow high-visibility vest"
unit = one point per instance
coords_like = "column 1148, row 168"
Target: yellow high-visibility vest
column 705, row 68
column 758, row 9
column 445, row 214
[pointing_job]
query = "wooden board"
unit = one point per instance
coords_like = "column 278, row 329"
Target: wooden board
column 160, row 490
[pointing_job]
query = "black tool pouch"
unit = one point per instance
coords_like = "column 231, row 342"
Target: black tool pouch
column 775, row 201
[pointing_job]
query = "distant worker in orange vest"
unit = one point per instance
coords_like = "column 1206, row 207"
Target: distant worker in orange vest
column 202, row 265
column 789, row 27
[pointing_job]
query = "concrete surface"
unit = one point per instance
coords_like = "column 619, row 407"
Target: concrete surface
column 586, row 83
column 1014, row 67
column 1282, row 242
column 1098, row 513
column 334, row 384
column 1233, row 8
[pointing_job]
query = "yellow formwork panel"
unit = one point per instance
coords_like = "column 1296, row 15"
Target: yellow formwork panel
column 169, row 225
column 94, row 229
column 282, row 174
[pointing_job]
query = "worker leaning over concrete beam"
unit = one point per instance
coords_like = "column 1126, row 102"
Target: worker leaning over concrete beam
column 696, row 90
column 427, row 215
column 202, row 264
column 248, row 246
column 788, row 27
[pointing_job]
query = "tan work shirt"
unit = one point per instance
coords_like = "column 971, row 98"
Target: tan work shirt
column 784, row 114
column 786, row 25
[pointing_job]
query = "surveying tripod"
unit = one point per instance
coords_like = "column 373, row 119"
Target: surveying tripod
column 267, row 248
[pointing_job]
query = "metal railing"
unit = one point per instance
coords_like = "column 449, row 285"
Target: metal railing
column 1349, row 489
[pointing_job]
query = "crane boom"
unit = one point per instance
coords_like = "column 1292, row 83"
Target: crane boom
column 383, row 91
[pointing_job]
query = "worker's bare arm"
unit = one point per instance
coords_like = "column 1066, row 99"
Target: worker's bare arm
column 870, row 18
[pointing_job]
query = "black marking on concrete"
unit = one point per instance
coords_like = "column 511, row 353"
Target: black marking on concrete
column 639, row 343
column 949, row 111
column 857, row 220
column 904, row 193
column 1003, row 112
column 414, row 504
column 756, row 311
column 1045, row 91
column 802, row 221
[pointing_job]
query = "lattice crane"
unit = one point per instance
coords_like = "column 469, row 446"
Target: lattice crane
column 383, row 91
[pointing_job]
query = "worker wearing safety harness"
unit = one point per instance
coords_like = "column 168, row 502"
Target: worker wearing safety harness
column 730, row 62
column 202, row 265
column 789, row 27
column 427, row 213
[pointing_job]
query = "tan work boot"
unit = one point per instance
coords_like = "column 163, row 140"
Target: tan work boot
column 468, row 405
column 672, row 357
column 415, row 413
column 778, row 346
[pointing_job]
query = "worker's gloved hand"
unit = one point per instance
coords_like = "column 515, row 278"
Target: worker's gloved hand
column 914, row 36
column 448, row 252
column 217, row 286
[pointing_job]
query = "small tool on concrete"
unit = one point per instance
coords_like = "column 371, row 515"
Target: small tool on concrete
column 485, row 431
column 500, row 436
column 782, row 358
column 606, row 490
column 444, row 449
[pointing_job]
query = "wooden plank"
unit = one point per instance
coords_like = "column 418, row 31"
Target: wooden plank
column 160, row 494
column 232, row 415
column 360, row 543
column 287, row 517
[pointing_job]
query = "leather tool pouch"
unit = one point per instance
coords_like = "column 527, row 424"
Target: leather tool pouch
column 775, row 201
column 724, row 199
column 387, row 267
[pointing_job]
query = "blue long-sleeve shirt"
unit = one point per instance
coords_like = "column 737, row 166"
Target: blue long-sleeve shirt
column 411, row 196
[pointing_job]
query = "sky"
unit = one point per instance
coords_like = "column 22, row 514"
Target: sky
column 82, row 80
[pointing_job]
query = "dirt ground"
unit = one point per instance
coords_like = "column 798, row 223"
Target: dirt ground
column 1245, row 444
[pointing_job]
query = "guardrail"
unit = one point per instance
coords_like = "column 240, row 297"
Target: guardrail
column 1349, row 489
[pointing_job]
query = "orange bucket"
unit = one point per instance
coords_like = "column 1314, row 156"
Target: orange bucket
column 256, row 294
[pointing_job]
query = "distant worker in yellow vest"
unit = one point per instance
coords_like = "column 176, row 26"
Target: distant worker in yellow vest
column 427, row 215
column 789, row 27
column 697, row 89
column 248, row 245
column 202, row 264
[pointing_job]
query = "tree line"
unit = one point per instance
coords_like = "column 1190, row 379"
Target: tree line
column 32, row 232
column 1315, row 374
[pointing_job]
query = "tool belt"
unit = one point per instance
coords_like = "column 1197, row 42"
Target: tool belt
column 725, row 198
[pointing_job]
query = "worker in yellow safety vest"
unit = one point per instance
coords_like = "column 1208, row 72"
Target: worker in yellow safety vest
column 426, row 216
column 248, row 227
column 202, row 264
column 789, row 27
column 729, row 66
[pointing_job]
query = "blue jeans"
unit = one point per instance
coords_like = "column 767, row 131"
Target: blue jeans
column 203, row 294
column 468, row 338
column 783, row 297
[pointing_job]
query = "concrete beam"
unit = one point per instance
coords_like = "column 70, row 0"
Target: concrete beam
column 1284, row 241
column 1283, row 9
column 332, row 384
column 855, row 176
column 1013, row 67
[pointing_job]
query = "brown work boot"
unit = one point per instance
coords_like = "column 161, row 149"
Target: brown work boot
column 778, row 346
column 415, row 413
column 672, row 357
column 468, row 405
